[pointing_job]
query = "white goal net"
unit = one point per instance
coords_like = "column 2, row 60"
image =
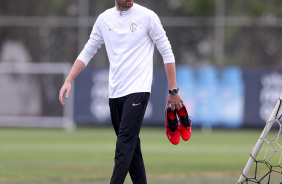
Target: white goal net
column 29, row 95
column 264, row 165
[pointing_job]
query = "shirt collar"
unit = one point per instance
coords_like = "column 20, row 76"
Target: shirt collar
column 126, row 12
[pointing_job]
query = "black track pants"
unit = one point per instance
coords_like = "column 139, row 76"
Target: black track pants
column 127, row 115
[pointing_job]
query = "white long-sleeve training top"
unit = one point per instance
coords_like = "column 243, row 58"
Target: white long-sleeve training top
column 129, row 37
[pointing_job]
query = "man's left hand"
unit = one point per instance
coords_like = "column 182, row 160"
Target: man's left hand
column 174, row 101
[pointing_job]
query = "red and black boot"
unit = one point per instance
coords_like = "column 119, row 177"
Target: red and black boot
column 172, row 127
column 185, row 123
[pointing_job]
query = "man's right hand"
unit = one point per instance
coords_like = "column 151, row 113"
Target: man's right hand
column 77, row 67
column 64, row 90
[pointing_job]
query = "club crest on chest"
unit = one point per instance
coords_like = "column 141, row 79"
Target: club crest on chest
column 133, row 27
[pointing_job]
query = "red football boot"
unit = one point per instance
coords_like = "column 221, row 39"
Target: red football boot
column 185, row 123
column 172, row 127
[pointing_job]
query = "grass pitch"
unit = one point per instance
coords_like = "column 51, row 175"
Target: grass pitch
column 53, row 156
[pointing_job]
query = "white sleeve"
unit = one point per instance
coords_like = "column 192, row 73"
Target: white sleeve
column 93, row 44
column 158, row 35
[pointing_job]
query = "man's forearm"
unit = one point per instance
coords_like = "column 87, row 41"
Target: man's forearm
column 77, row 67
column 171, row 75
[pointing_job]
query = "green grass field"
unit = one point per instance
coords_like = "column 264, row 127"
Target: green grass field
column 53, row 156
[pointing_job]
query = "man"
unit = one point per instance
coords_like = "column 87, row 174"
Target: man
column 129, row 32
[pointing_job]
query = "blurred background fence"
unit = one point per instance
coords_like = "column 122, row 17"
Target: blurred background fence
column 228, row 55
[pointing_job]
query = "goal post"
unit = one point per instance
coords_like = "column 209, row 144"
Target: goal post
column 27, row 73
column 260, row 142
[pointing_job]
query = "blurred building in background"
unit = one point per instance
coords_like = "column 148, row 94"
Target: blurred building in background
column 228, row 54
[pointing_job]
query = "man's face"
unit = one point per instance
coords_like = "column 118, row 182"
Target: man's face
column 124, row 4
